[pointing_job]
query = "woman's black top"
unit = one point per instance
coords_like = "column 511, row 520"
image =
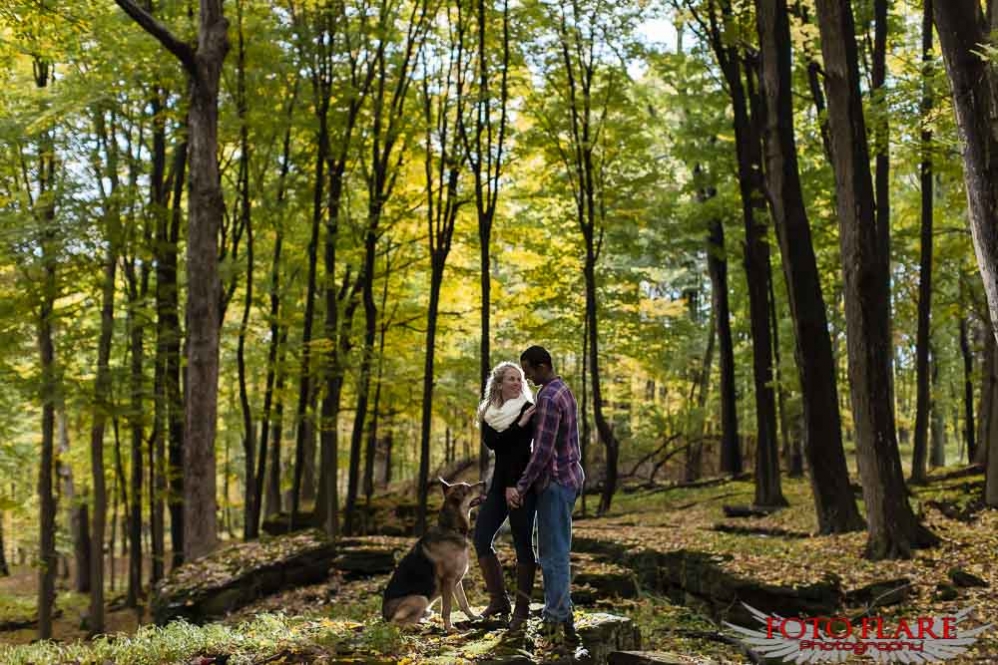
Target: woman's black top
column 512, row 449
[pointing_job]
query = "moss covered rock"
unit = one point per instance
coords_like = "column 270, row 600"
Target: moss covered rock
column 241, row 573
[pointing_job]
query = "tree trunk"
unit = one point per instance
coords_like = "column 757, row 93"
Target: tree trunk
column 48, row 392
column 893, row 529
column 305, row 379
column 245, row 210
column 372, row 436
column 790, row 452
column 937, row 457
column 135, row 331
column 962, row 28
column 968, row 391
column 168, row 312
column 717, row 267
column 206, row 207
column 364, row 381
column 47, row 504
column 422, row 482
column 768, row 489
column 101, row 407
column 159, row 206
column 918, row 469
column 277, row 433
column 264, row 476
column 586, row 433
column 4, row 568
column 835, row 505
column 76, row 509
column 757, row 266
column 881, row 134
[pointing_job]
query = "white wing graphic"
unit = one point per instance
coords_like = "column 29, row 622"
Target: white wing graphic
column 790, row 651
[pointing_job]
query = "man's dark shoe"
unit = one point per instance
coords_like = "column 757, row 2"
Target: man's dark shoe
column 571, row 637
column 565, row 632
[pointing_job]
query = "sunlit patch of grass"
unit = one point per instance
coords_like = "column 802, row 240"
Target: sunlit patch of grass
column 177, row 642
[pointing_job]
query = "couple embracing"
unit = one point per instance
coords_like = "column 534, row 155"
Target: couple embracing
column 541, row 484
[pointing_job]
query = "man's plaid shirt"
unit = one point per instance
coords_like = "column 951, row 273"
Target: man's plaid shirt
column 556, row 455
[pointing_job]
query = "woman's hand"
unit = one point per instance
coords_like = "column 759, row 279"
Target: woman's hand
column 527, row 415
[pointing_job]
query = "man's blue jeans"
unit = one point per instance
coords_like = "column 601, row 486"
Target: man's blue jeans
column 554, row 541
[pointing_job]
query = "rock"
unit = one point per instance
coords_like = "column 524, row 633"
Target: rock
column 280, row 524
column 946, row 592
column 699, row 580
column 644, row 658
column 881, row 594
column 774, row 532
column 602, row 578
column 745, row 511
column 236, row 575
column 602, row 634
column 365, row 561
column 962, row 578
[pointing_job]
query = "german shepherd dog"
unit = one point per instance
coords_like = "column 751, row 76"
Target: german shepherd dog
column 436, row 564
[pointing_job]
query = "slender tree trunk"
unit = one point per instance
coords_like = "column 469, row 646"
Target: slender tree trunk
column 135, row 330
column 790, row 452
column 893, row 529
column 245, row 210
column 922, row 342
column 717, row 267
column 47, row 504
column 305, row 379
column 372, row 435
column 364, row 381
column 881, row 134
column 159, row 202
column 757, row 270
column 168, row 294
column 4, row 568
column 265, row 475
column 76, row 512
column 937, row 456
column 586, row 428
column 102, row 391
column 968, row 391
column 277, row 433
column 45, row 218
column 436, row 280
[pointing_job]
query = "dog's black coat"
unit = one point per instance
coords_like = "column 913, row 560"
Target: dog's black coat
column 414, row 576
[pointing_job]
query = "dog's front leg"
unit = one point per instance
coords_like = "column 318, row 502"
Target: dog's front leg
column 462, row 600
column 446, row 600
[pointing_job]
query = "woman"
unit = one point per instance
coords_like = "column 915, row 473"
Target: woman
column 504, row 416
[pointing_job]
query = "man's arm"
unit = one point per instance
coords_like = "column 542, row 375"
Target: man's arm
column 548, row 419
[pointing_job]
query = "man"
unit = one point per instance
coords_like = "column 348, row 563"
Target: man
column 555, row 473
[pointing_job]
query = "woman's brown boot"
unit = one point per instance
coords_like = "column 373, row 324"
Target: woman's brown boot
column 495, row 585
column 524, row 589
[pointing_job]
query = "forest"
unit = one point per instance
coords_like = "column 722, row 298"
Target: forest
column 258, row 258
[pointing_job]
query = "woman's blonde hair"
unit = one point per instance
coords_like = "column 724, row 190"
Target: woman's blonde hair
column 492, row 395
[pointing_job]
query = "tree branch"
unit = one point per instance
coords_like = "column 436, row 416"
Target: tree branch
column 182, row 50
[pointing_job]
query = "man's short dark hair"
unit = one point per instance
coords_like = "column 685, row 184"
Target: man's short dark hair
column 536, row 355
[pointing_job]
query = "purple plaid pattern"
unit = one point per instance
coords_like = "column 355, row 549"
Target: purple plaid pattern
column 556, row 455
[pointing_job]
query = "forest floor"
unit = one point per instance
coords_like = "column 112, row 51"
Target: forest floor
column 314, row 623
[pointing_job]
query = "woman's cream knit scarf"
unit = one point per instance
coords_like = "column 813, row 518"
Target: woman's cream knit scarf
column 501, row 417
